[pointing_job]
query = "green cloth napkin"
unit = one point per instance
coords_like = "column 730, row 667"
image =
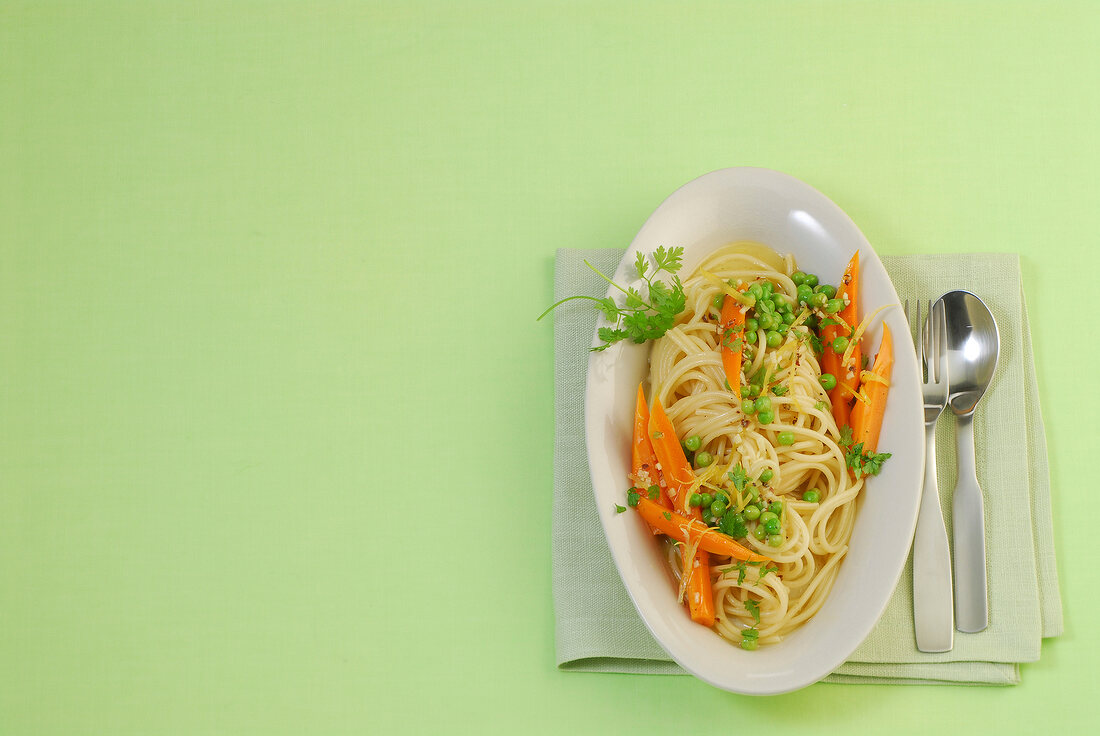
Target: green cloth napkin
column 598, row 628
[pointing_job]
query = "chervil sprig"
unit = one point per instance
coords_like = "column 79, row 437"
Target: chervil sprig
column 640, row 319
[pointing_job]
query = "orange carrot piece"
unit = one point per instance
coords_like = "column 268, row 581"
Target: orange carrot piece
column 731, row 329
column 677, row 472
column 867, row 417
column 675, row 468
column 688, row 530
column 847, row 376
column 643, row 465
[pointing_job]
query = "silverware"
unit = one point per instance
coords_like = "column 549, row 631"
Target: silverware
column 973, row 346
column 932, row 608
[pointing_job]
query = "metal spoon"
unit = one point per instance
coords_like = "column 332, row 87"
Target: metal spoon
column 973, row 345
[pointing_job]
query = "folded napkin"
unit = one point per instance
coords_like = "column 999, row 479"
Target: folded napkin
column 598, row 628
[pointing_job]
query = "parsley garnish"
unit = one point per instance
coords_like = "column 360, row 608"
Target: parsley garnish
column 739, row 477
column 667, row 515
column 732, row 525
column 639, row 320
column 619, row 509
column 779, row 390
column 765, row 570
column 820, row 406
column 632, row 497
column 654, row 492
column 753, row 608
column 860, row 462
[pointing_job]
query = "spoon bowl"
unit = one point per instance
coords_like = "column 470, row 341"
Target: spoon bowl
column 973, row 347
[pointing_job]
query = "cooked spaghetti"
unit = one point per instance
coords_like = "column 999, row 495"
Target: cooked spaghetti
column 771, row 465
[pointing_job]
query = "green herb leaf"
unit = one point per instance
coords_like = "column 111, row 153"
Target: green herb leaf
column 668, row 259
column 754, row 609
column 860, row 462
column 619, row 509
column 667, row 515
column 632, row 497
column 739, row 477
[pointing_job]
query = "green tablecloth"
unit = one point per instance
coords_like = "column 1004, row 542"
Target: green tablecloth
column 275, row 416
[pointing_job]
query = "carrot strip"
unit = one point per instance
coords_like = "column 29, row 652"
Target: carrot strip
column 731, row 339
column 679, row 475
column 867, row 418
column 689, row 531
column 643, row 461
column 846, row 374
column 675, row 468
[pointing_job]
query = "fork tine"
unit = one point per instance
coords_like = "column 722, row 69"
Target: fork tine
column 922, row 346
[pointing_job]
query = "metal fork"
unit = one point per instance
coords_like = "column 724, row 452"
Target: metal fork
column 933, row 609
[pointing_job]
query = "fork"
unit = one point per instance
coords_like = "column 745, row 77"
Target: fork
column 933, row 609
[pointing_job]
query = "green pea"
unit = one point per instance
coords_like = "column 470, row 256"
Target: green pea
column 776, row 507
column 772, row 526
column 717, row 508
column 746, row 392
column 798, row 278
column 827, row 289
column 706, row 499
column 804, row 293
column 774, row 339
column 811, row 496
column 708, row 517
column 760, row 532
column 766, row 475
column 768, row 321
column 834, row 305
column 751, row 325
column 840, row 344
column 775, row 540
column 811, row 279
column 788, row 318
column 767, row 516
column 781, row 302
column 718, row 301
column 752, row 513
column 819, row 300
column 695, row 500
column 703, row 459
column 756, row 291
column 765, row 417
column 748, row 407
column 693, row 442
column 749, row 645
column 763, row 404
column 828, row 381
column 723, row 497
column 783, row 328
column 786, row 438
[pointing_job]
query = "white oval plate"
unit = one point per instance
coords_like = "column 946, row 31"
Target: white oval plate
column 791, row 217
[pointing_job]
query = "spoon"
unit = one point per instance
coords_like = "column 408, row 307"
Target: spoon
column 973, row 346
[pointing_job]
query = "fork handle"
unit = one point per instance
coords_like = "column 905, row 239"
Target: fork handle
column 968, row 530
column 933, row 617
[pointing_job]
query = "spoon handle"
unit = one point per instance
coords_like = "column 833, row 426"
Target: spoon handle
column 968, row 520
